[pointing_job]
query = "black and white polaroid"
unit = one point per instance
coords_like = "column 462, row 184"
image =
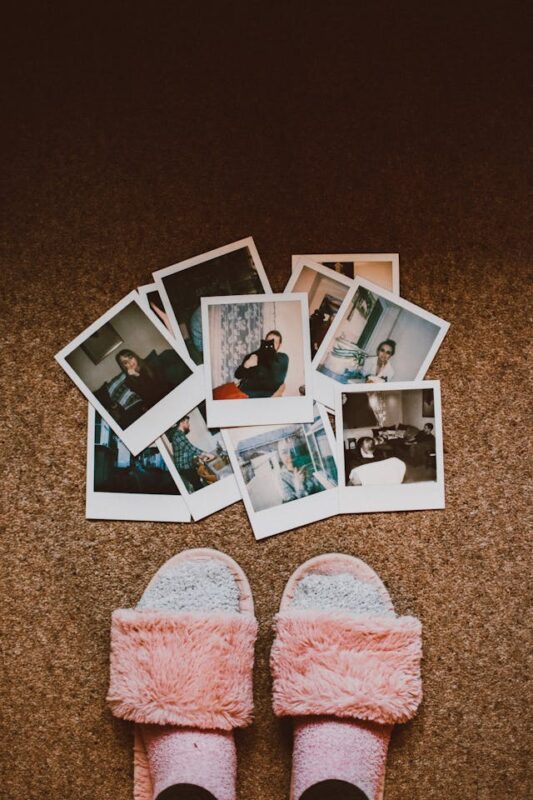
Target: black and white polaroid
column 138, row 378
column 376, row 337
column 123, row 486
column 389, row 453
column 198, row 460
column 230, row 270
column 383, row 269
column 325, row 290
column 287, row 474
column 257, row 359
column 151, row 300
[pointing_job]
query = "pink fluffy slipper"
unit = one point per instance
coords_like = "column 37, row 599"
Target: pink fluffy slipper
column 346, row 668
column 181, row 669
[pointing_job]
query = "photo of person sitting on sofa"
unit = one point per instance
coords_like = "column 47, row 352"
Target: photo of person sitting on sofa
column 141, row 383
column 262, row 372
column 387, row 428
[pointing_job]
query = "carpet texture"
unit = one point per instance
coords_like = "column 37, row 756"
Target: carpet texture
column 137, row 136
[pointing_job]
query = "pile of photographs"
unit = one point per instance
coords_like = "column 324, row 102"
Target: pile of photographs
column 205, row 388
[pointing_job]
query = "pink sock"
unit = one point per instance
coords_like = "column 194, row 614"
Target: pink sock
column 186, row 755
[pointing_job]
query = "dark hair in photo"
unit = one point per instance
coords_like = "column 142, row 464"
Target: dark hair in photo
column 275, row 333
column 390, row 342
column 143, row 365
column 429, row 425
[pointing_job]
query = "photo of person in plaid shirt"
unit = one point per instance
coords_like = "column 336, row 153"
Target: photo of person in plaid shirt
column 186, row 455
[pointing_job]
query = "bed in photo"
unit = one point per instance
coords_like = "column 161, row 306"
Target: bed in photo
column 123, row 486
column 287, row 474
column 138, row 378
column 383, row 269
column 233, row 269
column 376, row 337
column 257, row 359
column 389, row 451
column 198, row 460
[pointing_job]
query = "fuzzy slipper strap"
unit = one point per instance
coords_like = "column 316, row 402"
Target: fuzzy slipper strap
column 187, row 669
column 334, row 663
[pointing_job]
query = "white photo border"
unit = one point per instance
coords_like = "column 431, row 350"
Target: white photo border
column 125, row 505
column 195, row 261
column 258, row 411
column 209, row 499
column 353, row 257
column 160, row 417
column 297, row 513
column 425, row 495
column 324, row 386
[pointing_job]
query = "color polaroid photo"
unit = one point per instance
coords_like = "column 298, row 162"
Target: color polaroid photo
column 197, row 458
column 389, row 447
column 376, row 337
column 230, row 270
column 133, row 372
column 151, row 300
column 325, row 290
column 383, row 269
column 123, row 486
column 287, row 474
column 257, row 359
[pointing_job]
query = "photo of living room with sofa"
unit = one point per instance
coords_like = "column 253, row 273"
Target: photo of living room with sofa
column 389, row 437
column 128, row 365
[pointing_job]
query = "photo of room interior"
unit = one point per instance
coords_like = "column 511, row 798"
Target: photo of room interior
column 370, row 320
column 387, row 437
column 98, row 363
column 269, row 457
column 325, row 297
column 117, row 470
column 232, row 273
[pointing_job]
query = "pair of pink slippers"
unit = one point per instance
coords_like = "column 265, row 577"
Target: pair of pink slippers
column 344, row 666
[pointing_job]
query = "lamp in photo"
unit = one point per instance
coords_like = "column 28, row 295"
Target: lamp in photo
column 377, row 404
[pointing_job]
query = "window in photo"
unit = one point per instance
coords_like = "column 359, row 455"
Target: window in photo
column 280, row 465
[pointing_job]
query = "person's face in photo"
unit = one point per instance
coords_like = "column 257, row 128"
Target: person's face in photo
column 185, row 425
column 286, row 457
column 368, row 445
column 272, row 337
column 384, row 354
column 129, row 364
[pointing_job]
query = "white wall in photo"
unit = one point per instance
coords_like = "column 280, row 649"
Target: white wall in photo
column 286, row 318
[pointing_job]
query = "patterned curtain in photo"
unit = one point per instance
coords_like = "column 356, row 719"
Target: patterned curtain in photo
column 241, row 328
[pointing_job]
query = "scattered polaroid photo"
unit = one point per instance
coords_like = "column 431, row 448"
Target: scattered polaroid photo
column 325, row 290
column 133, row 372
column 383, row 269
column 234, row 269
column 389, row 447
column 123, row 486
column 257, row 359
column 199, row 463
column 287, row 474
column 376, row 337
column 151, row 301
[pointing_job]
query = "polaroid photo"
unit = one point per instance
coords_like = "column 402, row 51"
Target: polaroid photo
column 376, row 337
column 230, row 270
column 197, row 459
column 383, row 269
column 257, row 359
column 325, row 290
column 389, row 447
column 287, row 474
column 133, row 372
column 151, row 300
column 123, row 486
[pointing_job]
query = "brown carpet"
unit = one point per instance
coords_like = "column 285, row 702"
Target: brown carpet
column 137, row 136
